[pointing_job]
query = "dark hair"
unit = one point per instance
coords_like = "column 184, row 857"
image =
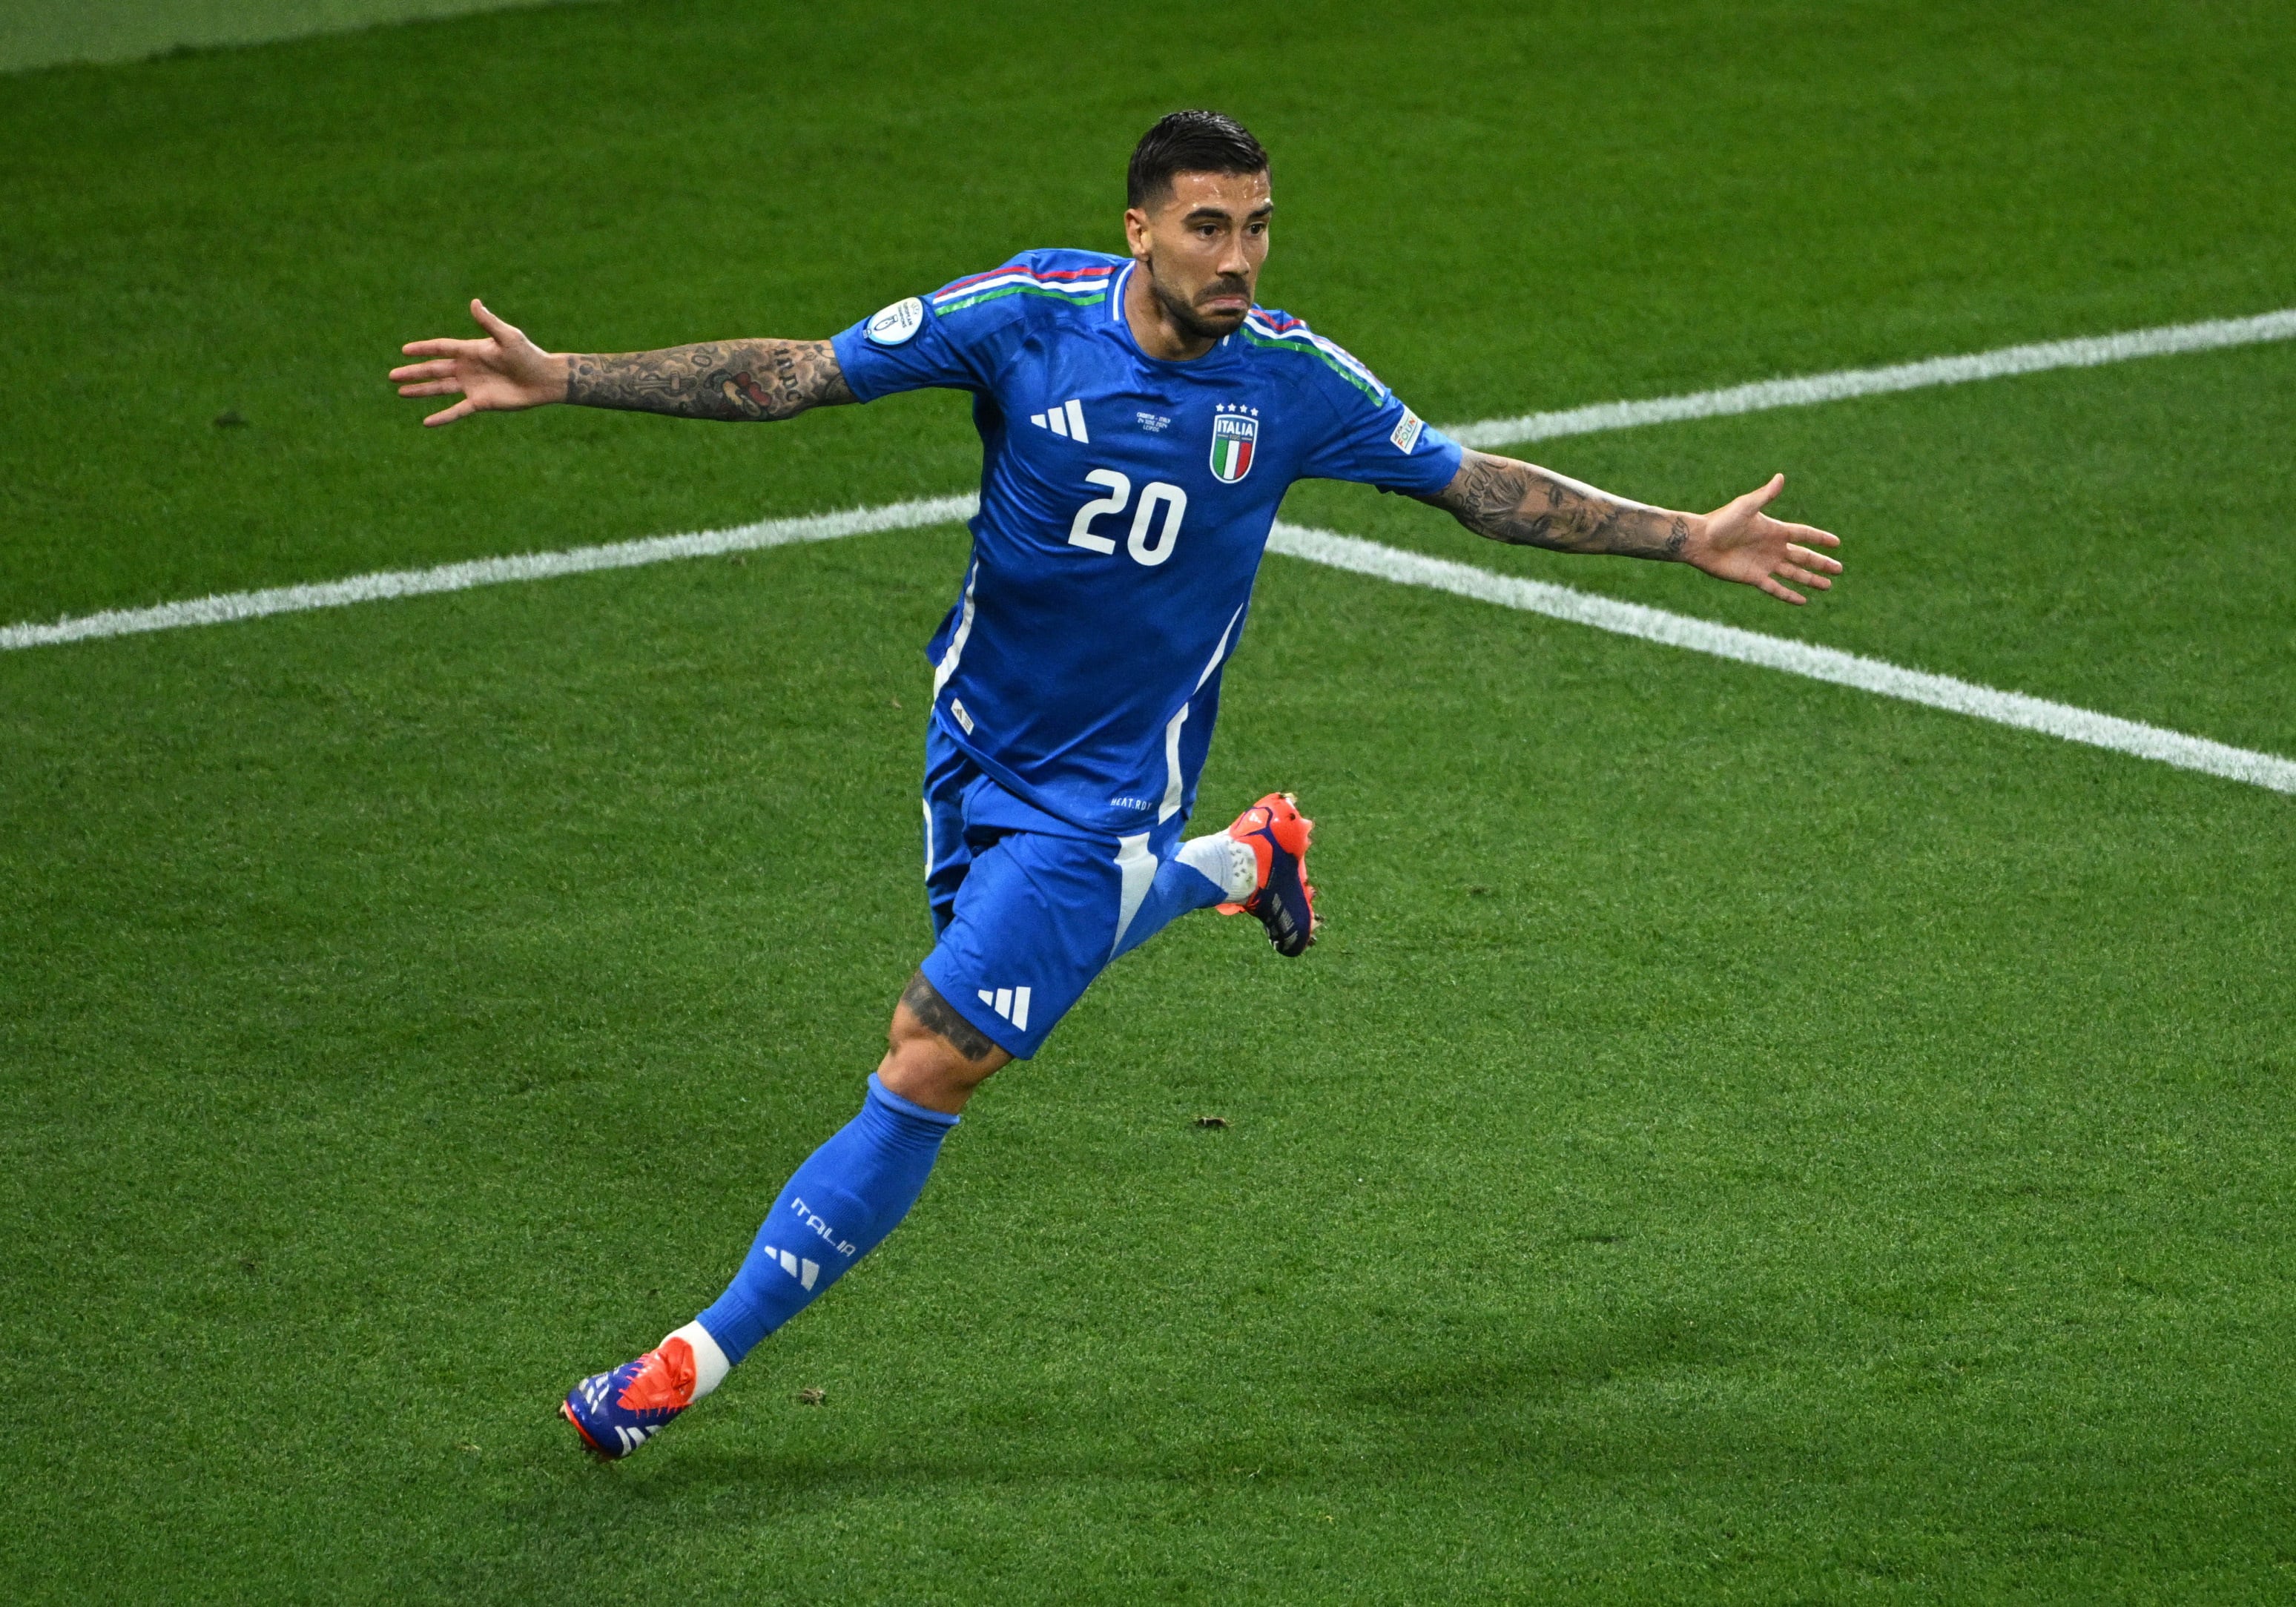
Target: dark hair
column 1189, row 142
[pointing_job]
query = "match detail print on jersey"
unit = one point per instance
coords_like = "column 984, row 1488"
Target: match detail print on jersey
column 1235, row 436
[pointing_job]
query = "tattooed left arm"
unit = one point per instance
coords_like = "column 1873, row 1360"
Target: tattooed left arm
column 1530, row 506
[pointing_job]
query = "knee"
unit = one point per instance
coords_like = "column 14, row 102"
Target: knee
column 923, row 1065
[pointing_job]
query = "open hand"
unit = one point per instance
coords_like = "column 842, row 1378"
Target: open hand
column 1738, row 542
column 503, row 373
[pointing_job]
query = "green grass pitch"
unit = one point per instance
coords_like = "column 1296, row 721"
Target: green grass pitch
column 1742, row 1140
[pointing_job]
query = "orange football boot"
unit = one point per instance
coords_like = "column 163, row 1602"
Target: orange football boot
column 615, row 1412
column 1278, row 835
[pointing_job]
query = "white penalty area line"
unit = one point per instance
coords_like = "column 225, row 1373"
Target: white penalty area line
column 1325, row 547
column 228, row 606
column 2090, row 351
column 1795, row 657
column 1406, row 567
column 2210, row 335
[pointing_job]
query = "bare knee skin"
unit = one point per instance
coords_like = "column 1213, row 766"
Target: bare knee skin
column 934, row 1055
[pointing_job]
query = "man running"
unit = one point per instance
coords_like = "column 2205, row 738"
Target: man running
column 1140, row 419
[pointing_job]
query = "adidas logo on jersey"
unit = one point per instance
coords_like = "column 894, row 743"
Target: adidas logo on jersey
column 1066, row 419
column 1011, row 1003
column 804, row 1271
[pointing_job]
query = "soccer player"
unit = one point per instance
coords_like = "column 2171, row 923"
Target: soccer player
column 1140, row 419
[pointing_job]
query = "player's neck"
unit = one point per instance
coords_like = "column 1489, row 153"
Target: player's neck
column 1152, row 327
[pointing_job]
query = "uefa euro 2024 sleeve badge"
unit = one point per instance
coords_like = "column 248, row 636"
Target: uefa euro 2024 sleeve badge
column 1236, row 437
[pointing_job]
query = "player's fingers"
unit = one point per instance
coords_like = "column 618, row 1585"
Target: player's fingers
column 1801, row 575
column 459, row 410
column 1811, row 535
column 442, row 348
column 424, row 371
column 434, row 388
column 493, row 325
column 1741, row 519
column 1817, row 560
column 1782, row 593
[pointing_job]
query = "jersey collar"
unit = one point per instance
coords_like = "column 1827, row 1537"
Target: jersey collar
column 1124, row 330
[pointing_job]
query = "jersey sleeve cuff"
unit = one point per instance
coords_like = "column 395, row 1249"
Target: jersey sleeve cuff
column 1433, row 466
column 856, row 360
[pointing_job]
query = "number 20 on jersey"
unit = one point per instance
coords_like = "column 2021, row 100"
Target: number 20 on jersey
column 1151, row 539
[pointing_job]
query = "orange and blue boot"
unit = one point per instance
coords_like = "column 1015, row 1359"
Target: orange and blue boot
column 1278, row 834
column 615, row 1412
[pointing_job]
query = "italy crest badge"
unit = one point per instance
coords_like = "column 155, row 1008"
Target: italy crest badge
column 1235, row 436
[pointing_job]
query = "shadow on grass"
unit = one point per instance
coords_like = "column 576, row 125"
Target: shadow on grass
column 1422, row 1406
column 1503, row 1368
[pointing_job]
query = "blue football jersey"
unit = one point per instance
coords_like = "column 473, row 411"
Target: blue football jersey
column 1125, row 503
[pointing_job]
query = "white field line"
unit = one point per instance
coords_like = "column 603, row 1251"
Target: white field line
column 490, row 571
column 2088, row 352
column 1411, row 568
column 1795, row 657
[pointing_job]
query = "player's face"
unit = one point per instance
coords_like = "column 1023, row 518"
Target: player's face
column 1203, row 246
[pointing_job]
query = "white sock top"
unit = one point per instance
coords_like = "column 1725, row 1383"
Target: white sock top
column 1224, row 862
column 709, row 1364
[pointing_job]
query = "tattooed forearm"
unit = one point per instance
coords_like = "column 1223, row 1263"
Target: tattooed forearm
column 925, row 1003
column 1530, row 506
column 736, row 380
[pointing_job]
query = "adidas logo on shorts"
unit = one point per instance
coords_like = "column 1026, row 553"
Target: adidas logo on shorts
column 1011, row 1003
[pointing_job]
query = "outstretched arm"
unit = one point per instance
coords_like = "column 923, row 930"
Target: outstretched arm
column 1530, row 506
column 736, row 380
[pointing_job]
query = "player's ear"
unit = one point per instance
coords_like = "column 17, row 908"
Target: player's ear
column 1136, row 230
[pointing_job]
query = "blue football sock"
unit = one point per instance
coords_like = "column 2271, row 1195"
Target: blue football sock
column 850, row 1193
column 1179, row 887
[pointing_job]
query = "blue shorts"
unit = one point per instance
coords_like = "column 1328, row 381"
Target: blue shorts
column 1028, row 908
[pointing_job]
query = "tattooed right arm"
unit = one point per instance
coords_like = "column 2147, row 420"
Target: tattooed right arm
column 734, row 381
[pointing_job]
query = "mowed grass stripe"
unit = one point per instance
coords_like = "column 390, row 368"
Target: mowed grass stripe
column 469, row 968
